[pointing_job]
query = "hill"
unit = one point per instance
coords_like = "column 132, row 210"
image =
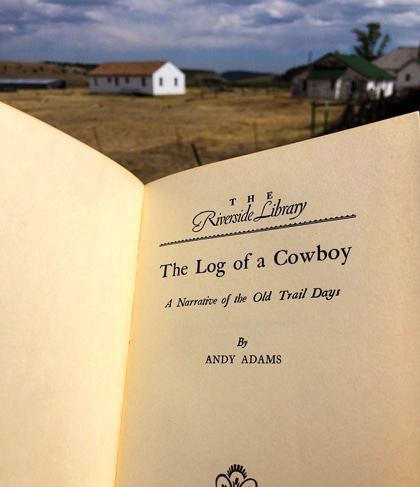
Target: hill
column 243, row 75
column 75, row 75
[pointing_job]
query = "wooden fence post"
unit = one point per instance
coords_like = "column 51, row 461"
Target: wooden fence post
column 313, row 119
column 326, row 112
column 254, row 126
column 196, row 155
column 98, row 141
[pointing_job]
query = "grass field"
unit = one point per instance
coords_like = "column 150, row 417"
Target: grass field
column 153, row 137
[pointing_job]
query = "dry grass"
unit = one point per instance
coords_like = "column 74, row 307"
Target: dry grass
column 152, row 137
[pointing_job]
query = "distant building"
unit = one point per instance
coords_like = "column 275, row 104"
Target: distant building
column 404, row 64
column 145, row 78
column 199, row 77
column 14, row 84
column 341, row 76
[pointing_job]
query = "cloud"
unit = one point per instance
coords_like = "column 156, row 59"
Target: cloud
column 81, row 3
column 250, row 31
column 25, row 14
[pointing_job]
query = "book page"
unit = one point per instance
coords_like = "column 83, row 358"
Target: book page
column 276, row 338
column 69, row 235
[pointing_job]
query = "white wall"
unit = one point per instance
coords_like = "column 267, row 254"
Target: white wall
column 409, row 75
column 120, row 84
column 387, row 87
column 168, row 80
column 349, row 83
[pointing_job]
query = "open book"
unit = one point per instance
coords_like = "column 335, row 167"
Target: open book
column 252, row 322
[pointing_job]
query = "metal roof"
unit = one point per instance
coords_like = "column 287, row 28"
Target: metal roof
column 29, row 81
column 363, row 66
column 330, row 65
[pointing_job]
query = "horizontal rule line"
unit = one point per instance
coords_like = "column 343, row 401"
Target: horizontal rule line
column 257, row 230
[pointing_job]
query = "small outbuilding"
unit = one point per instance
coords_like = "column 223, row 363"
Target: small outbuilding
column 341, row 76
column 143, row 78
column 14, row 84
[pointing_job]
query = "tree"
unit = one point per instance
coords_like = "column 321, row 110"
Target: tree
column 368, row 40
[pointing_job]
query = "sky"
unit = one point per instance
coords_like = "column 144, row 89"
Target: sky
column 267, row 36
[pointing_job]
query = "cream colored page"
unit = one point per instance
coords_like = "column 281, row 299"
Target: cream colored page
column 69, row 239
column 287, row 344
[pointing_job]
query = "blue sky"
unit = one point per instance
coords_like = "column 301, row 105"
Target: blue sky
column 258, row 35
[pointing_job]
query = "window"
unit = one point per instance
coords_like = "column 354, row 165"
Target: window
column 408, row 77
column 143, row 81
column 127, row 80
column 117, row 81
column 95, row 81
column 160, row 81
column 176, row 81
column 109, row 79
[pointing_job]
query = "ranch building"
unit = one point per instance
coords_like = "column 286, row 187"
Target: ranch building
column 143, row 78
column 341, row 76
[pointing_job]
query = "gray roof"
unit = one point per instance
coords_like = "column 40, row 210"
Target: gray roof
column 397, row 58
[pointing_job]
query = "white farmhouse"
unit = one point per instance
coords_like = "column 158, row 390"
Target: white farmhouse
column 143, row 78
column 404, row 64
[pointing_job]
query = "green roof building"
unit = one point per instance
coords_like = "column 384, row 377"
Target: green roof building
column 343, row 76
